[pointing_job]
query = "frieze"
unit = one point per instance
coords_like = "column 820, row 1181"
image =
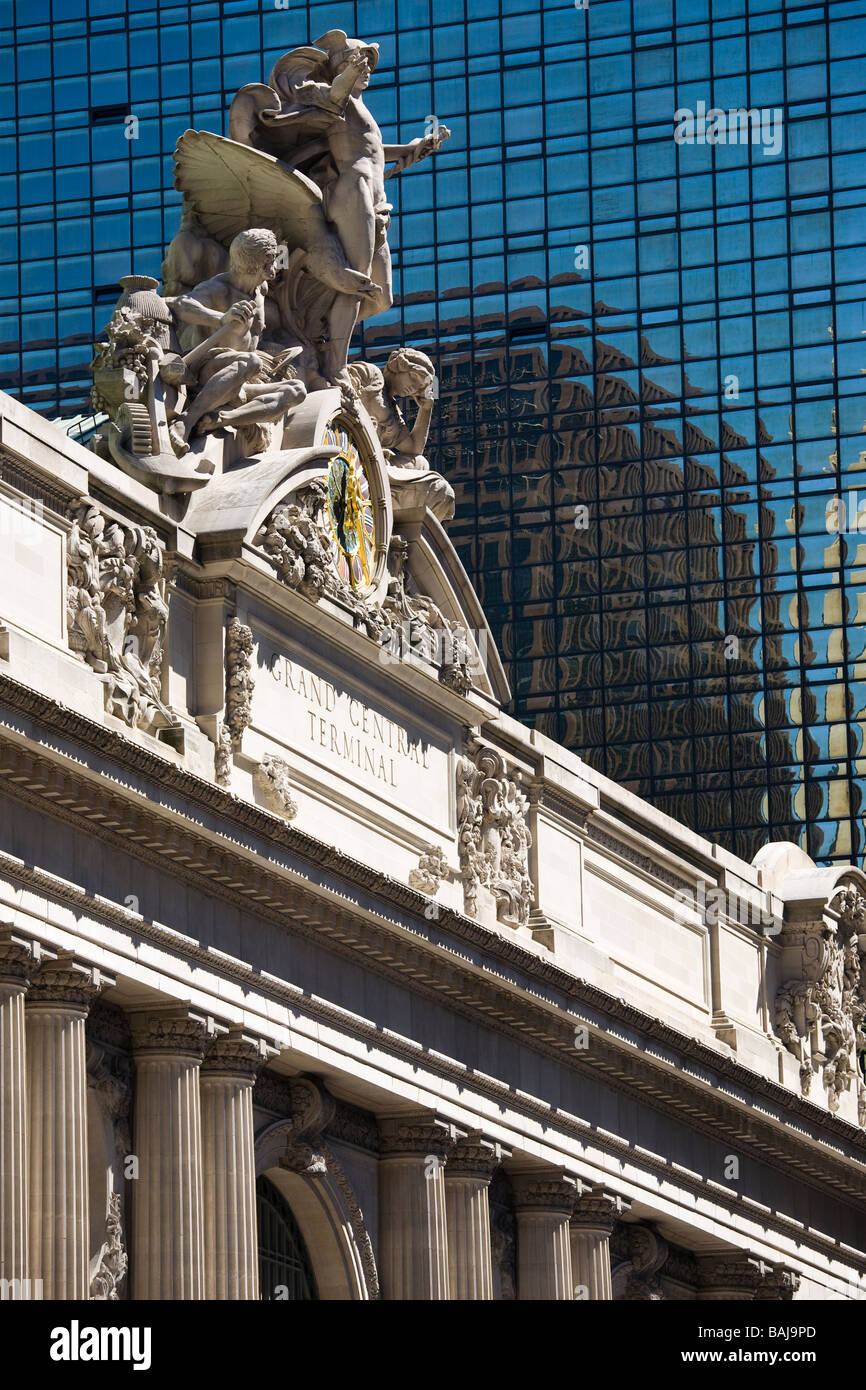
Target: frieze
column 272, row 1092
column 349, row 1124
column 14, row 471
column 636, row 857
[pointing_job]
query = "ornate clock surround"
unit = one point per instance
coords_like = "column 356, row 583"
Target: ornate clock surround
column 358, row 513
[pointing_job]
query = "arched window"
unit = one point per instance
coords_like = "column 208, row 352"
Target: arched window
column 284, row 1265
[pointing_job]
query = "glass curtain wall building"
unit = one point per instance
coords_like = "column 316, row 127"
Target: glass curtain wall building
column 637, row 264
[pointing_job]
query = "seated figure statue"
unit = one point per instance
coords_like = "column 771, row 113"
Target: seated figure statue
column 409, row 374
column 237, row 382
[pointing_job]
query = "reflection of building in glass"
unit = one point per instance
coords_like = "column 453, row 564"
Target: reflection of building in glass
column 632, row 616
column 696, row 382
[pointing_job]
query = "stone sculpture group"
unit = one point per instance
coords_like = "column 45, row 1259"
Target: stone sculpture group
column 282, row 249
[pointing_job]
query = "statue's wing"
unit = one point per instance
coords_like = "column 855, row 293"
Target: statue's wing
column 233, row 187
column 247, row 110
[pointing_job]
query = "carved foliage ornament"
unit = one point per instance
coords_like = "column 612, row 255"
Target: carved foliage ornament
column 113, row 1260
column 819, row 1016
column 493, row 836
column 239, row 679
column 239, row 693
column 116, row 612
column 432, row 868
column 273, row 776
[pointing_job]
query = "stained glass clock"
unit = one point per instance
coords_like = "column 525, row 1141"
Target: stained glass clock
column 351, row 511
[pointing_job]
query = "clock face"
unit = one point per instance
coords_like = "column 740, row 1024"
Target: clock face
column 350, row 510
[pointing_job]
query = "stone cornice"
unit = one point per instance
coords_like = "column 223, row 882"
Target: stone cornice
column 424, row 964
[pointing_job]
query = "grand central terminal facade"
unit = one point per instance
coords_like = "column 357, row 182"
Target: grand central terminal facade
column 320, row 976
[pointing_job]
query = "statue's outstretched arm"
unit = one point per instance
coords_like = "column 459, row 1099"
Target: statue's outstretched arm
column 404, row 156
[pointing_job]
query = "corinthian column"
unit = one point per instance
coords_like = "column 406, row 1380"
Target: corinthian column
column 231, row 1254
column 467, row 1178
column 594, row 1217
column 167, row 1228
column 16, row 963
column 412, row 1220
column 59, row 1217
column 543, row 1203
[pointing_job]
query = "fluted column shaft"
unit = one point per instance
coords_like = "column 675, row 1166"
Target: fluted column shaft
column 413, row 1231
column 467, row 1179
column 592, row 1222
column 167, row 1220
column 59, row 1217
column 231, row 1255
column 16, row 962
column 543, row 1204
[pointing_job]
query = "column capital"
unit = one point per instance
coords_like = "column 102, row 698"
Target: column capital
column 544, row 1190
column 729, row 1269
column 417, row 1134
column 776, row 1282
column 171, row 1032
column 18, row 959
column 474, row 1156
column 237, row 1053
column 62, row 980
column 598, row 1209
